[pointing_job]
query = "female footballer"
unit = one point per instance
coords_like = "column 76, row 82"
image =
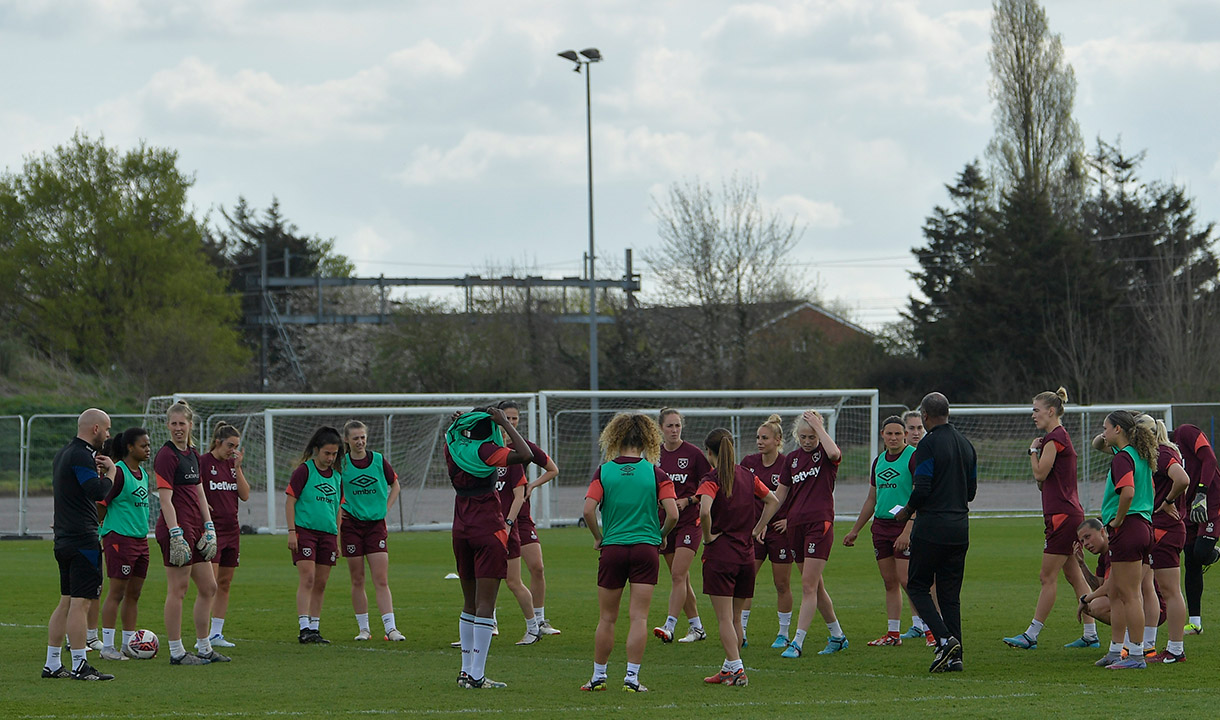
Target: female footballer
column 224, row 484
column 767, row 465
column 312, row 513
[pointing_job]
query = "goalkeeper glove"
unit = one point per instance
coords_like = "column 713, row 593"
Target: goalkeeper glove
column 179, row 550
column 207, row 543
column 1198, row 508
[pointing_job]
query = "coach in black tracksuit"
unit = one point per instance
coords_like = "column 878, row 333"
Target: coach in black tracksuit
column 945, row 483
column 81, row 480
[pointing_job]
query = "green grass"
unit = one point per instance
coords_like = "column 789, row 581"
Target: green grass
column 271, row 674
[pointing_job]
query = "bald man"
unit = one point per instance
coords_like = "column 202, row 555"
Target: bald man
column 944, row 485
column 82, row 478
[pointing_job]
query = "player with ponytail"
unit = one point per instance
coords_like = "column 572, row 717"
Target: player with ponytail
column 1203, row 522
column 312, row 513
column 1171, row 504
column 1126, row 510
column 1052, row 459
column 889, row 487
column 768, row 465
column 224, row 485
column 124, row 531
column 730, row 527
column 807, row 486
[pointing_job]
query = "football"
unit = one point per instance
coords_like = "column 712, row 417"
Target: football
column 144, row 644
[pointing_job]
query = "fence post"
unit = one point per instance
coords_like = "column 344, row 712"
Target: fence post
column 269, row 459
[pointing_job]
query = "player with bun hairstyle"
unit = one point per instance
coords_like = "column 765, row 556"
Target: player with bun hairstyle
column 912, row 421
column 1170, row 482
column 889, row 487
column 1052, row 459
column 124, row 516
column 807, row 486
column 1203, row 522
column 368, row 487
column 224, row 484
column 730, row 529
column 474, row 447
column 627, row 488
column 685, row 464
column 527, row 530
column 1126, row 510
column 187, row 537
column 768, row 465
column 312, row 513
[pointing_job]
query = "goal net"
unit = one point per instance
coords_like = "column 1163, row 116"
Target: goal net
column 406, row 428
column 572, row 421
column 1001, row 436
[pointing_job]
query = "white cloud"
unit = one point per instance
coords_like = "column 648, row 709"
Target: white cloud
column 811, row 213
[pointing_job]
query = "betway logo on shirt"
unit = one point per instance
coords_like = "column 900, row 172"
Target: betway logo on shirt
column 806, row 474
column 222, row 485
column 679, row 478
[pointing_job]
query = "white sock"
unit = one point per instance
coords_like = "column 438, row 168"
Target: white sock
column 1126, row 637
column 1090, row 630
column 362, row 621
column 1134, row 651
column 387, row 622
column 108, row 637
column 917, row 623
column 745, row 619
column 91, row 635
column 671, row 622
column 303, row 621
column 894, row 626
column 785, row 622
column 176, row 649
column 466, row 633
column 1176, row 647
column 203, row 646
column 218, row 627
column 314, row 622
column 53, row 655
column 695, row 622
column 540, row 613
column 127, row 636
column 735, row 665
column 482, row 642
column 78, row 658
column 1149, row 637
column 633, row 672
column 724, row 666
column 1195, row 620
column 835, row 630
column 599, row 669
column 799, row 640
column 1034, row 628
column 1116, row 647
column 531, row 625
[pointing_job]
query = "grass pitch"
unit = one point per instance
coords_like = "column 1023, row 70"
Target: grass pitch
column 272, row 675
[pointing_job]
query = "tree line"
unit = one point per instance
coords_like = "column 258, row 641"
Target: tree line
column 1047, row 264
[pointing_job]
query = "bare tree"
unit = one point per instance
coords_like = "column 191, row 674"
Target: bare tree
column 724, row 254
column 1037, row 142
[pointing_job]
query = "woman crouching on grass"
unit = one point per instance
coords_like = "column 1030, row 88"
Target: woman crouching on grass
column 627, row 487
column 726, row 515
column 312, row 512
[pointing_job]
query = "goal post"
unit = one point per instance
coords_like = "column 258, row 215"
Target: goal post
column 569, row 421
column 1001, row 436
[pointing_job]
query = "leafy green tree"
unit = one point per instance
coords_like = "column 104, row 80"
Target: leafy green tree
column 104, row 267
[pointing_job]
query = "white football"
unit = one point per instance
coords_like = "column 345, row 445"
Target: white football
column 144, row 644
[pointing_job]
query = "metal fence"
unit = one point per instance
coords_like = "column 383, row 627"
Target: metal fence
column 12, row 474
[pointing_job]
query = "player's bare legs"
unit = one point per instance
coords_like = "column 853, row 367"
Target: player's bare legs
column 360, row 598
column 893, row 587
column 532, row 555
column 603, row 638
column 811, row 583
column 637, row 615
column 177, row 582
column 1170, row 582
column 379, row 568
column 681, row 594
column 525, row 599
column 224, row 581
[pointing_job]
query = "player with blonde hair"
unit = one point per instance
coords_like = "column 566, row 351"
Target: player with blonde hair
column 768, row 465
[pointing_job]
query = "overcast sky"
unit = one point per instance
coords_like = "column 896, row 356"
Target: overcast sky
column 437, row 138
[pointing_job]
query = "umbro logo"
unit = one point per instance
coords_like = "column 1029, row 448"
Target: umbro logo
column 888, row 474
column 363, row 481
column 325, row 488
column 140, row 492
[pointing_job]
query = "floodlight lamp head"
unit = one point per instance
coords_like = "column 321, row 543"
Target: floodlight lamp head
column 593, row 54
column 569, row 55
